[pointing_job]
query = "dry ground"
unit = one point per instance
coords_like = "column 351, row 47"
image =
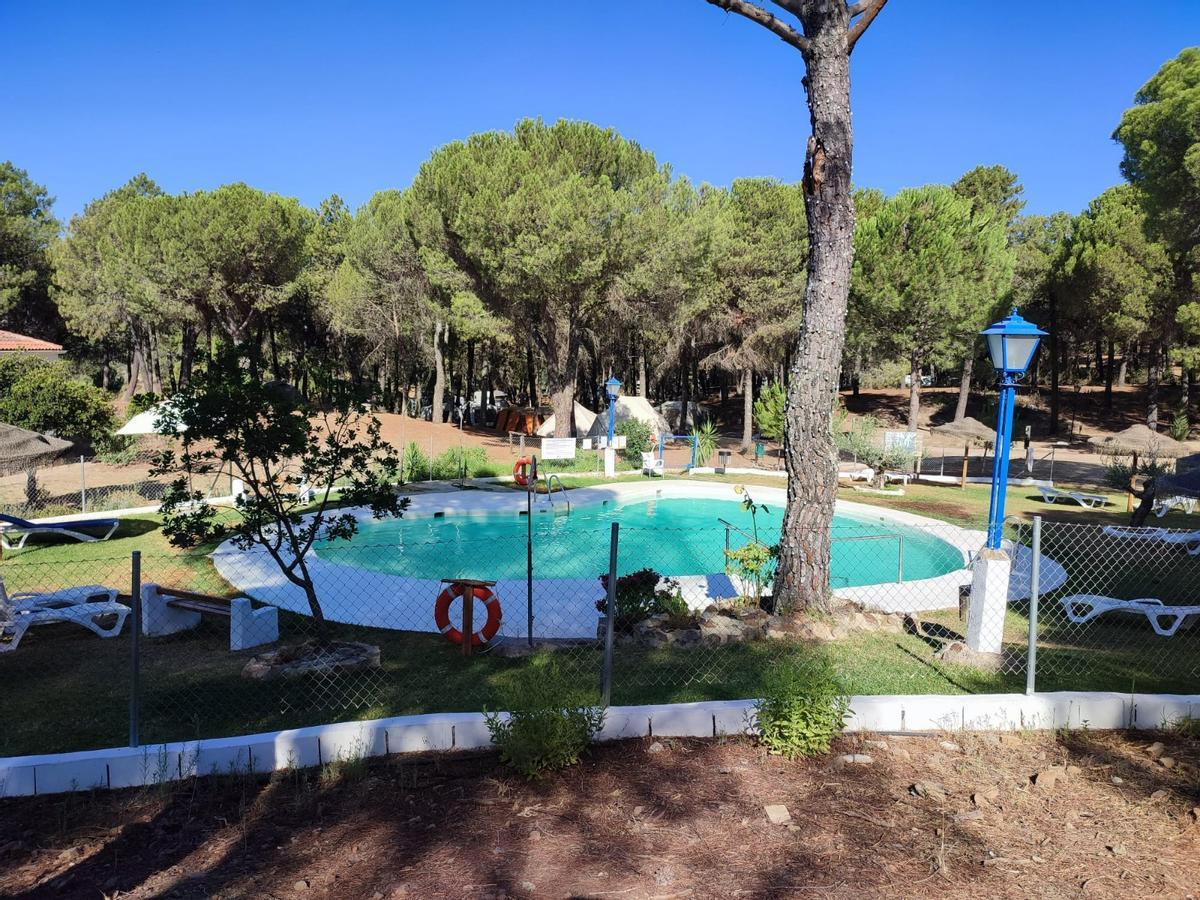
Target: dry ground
column 931, row 816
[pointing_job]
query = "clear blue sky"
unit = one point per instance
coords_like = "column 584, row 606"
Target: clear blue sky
column 312, row 98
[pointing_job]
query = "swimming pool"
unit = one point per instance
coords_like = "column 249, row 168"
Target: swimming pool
column 672, row 535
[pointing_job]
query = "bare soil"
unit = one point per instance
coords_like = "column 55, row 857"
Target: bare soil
column 965, row 815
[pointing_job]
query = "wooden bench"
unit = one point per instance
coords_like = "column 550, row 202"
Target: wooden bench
column 198, row 603
column 166, row 610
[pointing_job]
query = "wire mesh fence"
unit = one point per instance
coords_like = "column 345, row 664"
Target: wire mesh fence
column 236, row 641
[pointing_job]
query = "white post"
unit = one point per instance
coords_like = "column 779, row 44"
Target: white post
column 989, row 601
column 610, row 462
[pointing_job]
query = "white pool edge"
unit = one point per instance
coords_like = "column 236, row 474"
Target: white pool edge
column 122, row 767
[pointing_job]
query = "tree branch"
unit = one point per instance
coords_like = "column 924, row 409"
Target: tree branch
column 756, row 13
column 868, row 9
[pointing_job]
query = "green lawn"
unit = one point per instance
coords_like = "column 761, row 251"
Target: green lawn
column 67, row 690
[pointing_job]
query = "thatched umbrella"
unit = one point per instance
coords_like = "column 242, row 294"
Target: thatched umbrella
column 1139, row 440
column 972, row 432
column 22, row 450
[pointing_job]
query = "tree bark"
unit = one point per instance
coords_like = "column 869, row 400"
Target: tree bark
column 914, row 392
column 802, row 579
column 1109, row 371
column 641, row 378
column 1055, row 361
column 964, row 388
column 561, row 352
column 1123, row 370
column 1152, row 379
column 747, row 409
column 439, row 376
column 685, row 399
column 470, row 391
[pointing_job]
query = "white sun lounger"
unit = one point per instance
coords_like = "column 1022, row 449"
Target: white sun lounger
column 1090, row 606
column 1091, row 501
column 15, row 531
column 1164, row 505
column 1190, row 539
column 17, row 615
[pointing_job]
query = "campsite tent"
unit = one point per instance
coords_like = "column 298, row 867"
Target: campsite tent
column 584, row 418
column 630, row 408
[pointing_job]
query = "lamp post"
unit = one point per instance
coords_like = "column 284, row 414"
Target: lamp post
column 612, row 388
column 1011, row 342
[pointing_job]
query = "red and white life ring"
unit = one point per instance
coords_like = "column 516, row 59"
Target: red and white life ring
column 441, row 614
column 523, row 470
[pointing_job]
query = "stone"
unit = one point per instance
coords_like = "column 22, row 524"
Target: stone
column 901, row 753
column 656, row 747
column 1167, row 762
column 984, row 795
column 950, row 747
column 970, row 815
column 777, row 814
column 1160, row 794
column 1048, row 778
column 311, row 657
column 1195, row 813
column 852, row 759
column 1072, row 771
column 959, row 653
column 932, row 789
column 1010, row 740
column 720, row 630
column 301, row 885
column 876, row 745
column 778, row 634
column 1117, row 779
column 1155, row 750
column 816, row 631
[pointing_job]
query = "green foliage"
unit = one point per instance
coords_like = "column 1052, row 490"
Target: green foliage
column 46, row 397
column 1181, row 428
column 705, row 437
column 27, row 229
column 139, row 403
column 15, row 366
column 1119, row 471
column 461, row 462
column 770, row 410
column 550, row 722
column 641, row 594
column 865, row 442
column 637, row 438
column 415, row 464
column 754, row 563
column 803, row 707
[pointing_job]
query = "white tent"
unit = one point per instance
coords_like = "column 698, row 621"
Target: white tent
column 143, row 422
column 584, row 418
column 631, row 408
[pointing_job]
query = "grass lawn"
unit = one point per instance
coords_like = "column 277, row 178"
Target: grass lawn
column 67, row 690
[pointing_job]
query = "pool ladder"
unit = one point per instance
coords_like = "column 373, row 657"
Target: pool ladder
column 552, row 477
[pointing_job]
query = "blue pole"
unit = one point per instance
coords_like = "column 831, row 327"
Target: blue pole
column 612, row 417
column 1004, row 416
column 693, row 463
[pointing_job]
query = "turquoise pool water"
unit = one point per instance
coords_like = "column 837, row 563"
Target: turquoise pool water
column 674, row 536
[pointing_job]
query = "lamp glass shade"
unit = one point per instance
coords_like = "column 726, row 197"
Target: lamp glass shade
column 613, row 388
column 1012, row 343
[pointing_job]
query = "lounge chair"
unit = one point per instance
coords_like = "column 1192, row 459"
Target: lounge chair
column 1091, row 501
column 1164, row 505
column 9, row 524
column 651, row 465
column 1189, row 539
column 18, row 614
column 1082, row 608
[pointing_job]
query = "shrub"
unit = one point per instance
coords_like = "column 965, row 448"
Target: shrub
column 754, row 564
column 15, row 366
column 1181, row 428
column 637, row 438
column 706, row 442
column 1118, row 470
column 459, row 462
column 551, row 720
column 803, row 707
column 640, row 594
column 139, row 403
column 415, row 465
column 770, row 410
column 864, row 442
column 47, row 398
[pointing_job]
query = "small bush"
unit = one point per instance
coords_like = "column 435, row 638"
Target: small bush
column 48, row 398
column 415, row 465
column 770, row 410
column 803, row 707
column 637, row 438
column 706, row 442
column 459, row 462
column 1181, row 428
column 550, row 720
column 639, row 595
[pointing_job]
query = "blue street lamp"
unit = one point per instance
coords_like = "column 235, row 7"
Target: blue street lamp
column 1011, row 344
column 612, row 388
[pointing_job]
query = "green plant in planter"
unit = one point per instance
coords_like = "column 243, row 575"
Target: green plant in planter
column 754, row 564
column 803, row 707
column 640, row 595
column 551, row 721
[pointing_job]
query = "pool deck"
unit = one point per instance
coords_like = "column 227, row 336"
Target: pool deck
column 565, row 607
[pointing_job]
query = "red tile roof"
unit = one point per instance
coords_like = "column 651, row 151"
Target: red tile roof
column 10, row 340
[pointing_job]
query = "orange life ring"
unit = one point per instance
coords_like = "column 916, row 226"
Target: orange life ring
column 441, row 614
column 521, row 471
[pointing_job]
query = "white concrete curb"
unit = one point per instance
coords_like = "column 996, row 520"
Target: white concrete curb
column 323, row 744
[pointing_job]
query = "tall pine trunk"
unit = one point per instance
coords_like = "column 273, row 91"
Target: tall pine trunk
column 747, row 409
column 964, row 388
column 1109, row 371
column 914, row 392
column 439, row 376
column 1152, row 379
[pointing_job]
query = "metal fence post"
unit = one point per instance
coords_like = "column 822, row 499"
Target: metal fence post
column 83, row 484
column 1035, row 571
column 135, row 675
column 611, row 609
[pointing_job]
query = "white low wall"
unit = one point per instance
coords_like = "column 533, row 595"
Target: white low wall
column 322, row 744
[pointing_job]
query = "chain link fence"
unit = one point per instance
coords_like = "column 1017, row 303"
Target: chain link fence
column 100, row 648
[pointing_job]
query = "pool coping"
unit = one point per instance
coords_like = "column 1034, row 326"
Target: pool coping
column 316, row 745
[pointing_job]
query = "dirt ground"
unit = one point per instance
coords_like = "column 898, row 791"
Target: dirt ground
column 1078, row 814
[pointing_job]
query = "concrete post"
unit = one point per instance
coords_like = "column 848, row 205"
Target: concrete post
column 989, row 601
column 610, row 462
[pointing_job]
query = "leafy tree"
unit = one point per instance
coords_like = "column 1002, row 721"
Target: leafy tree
column 770, row 410
column 228, row 416
column 829, row 31
column 43, row 396
column 927, row 270
column 27, row 228
column 1112, row 274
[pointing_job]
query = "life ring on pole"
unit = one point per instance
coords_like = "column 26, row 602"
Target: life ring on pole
column 441, row 613
column 523, row 470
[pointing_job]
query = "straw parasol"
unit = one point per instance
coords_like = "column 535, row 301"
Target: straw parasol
column 22, row 450
column 970, row 431
column 1140, row 440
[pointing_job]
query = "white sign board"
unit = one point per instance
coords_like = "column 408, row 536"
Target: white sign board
column 558, row 448
column 904, row 441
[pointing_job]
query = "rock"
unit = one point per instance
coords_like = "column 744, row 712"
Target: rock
column 656, row 747
column 1195, row 813
column 971, row 815
column 777, row 814
column 1072, row 771
column 950, row 747
column 959, row 653
column 1167, row 762
column 721, row 630
column 1010, row 740
column 528, row 887
column 984, row 795
column 311, row 657
column 1117, row 779
column 301, row 885
column 932, row 789
column 816, row 631
column 1115, row 849
column 1155, row 750
column 876, row 745
column 1160, row 794
column 852, row 759
column 901, row 753
column 1048, row 778
column 778, row 634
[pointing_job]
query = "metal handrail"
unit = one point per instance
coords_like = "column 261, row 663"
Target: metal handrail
column 899, row 538
column 551, row 477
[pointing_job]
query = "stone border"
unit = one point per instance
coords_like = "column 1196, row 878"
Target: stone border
column 122, row 767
